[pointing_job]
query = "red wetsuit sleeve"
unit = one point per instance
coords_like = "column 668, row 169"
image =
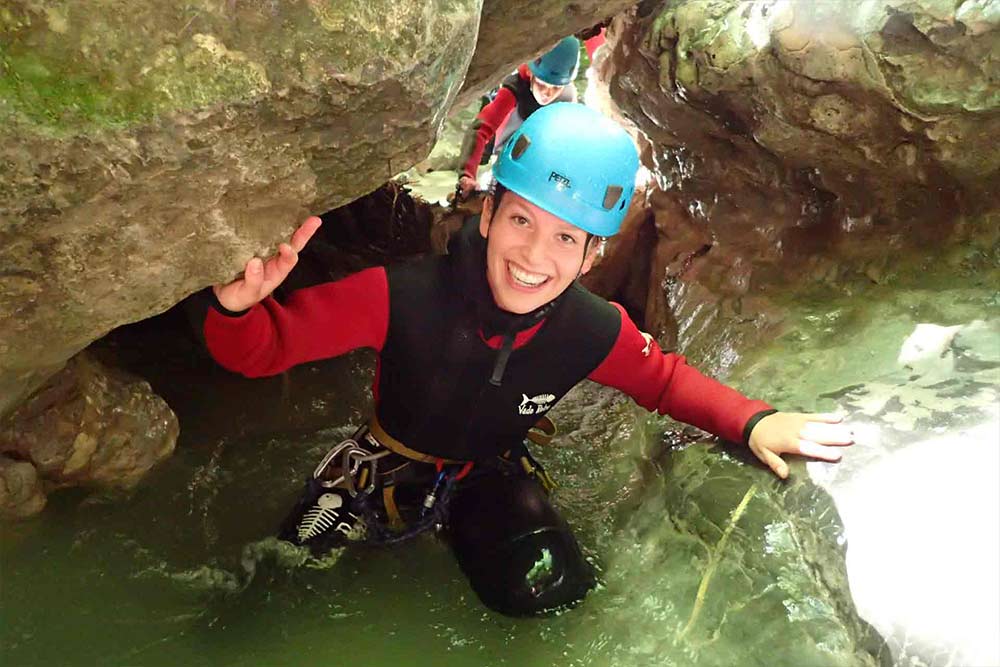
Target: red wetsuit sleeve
column 594, row 43
column 665, row 383
column 492, row 116
column 316, row 323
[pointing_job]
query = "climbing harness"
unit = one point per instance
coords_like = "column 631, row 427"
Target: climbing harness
column 355, row 479
column 340, row 504
column 433, row 513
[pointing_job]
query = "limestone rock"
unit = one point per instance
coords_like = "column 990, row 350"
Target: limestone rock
column 21, row 492
column 883, row 105
column 805, row 142
column 91, row 426
column 147, row 149
column 734, row 545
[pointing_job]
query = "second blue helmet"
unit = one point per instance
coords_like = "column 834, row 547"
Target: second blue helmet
column 558, row 67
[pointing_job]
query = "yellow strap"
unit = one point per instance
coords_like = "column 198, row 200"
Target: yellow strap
column 543, row 431
column 538, row 473
column 390, row 443
column 389, row 500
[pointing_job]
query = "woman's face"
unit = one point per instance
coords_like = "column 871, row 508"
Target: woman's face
column 532, row 256
column 543, row 92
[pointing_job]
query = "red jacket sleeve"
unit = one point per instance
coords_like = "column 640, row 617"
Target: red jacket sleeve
column 492, row 116
column 665, row 383
column 317, row 322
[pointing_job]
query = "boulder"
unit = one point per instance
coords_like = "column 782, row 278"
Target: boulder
column 149, row 148
column 88, row 426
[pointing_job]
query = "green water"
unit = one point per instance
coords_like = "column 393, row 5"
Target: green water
column 181, row 571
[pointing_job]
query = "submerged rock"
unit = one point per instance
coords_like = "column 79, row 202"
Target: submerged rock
column 89, row 426
column 735, row 546
column 21, row 493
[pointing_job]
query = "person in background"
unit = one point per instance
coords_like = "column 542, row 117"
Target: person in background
column 541, row 82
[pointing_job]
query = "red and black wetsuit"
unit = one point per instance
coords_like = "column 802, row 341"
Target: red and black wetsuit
column 458, row 378
column 501, row 117
column 358, row 311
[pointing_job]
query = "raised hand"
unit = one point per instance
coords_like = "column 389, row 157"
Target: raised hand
column 467, row 185
column 818, row 436
column 260, row 277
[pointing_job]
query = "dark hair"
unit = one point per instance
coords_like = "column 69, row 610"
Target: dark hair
column 497, row 191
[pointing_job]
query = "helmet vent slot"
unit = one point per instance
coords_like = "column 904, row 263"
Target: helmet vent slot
column 611, row 196
column 520, row 146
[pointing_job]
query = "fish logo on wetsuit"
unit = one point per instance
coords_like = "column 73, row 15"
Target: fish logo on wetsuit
column 328, row 512
column 536, row 405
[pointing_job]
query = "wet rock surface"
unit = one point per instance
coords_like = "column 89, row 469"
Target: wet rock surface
column 148, row 149
column 916, row 370
column 21, row 493
column 707, row 559
column 89, row 426
column 802, row 142
column 740, row 546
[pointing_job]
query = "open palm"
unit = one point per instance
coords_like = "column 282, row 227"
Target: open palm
column 817, row 436
column 261, row 277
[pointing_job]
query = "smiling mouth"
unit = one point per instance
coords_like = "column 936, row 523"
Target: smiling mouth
column 526, row 279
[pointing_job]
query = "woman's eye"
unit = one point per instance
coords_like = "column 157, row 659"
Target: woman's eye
column 566, row 238
column 519, row 221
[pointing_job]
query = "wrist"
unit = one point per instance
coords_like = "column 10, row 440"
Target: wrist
column 752, row 423
column 222, row 310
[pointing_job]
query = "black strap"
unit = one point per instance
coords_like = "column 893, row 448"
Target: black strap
column 502, row 358
column 752, row 422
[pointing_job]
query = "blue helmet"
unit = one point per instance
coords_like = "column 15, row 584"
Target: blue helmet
column 558, row 66
column 573, row 162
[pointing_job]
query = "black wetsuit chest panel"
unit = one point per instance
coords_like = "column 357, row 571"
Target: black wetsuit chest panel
column 435, row 394
column 521, row 87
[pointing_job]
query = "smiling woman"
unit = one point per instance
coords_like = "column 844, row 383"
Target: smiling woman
column 532, row 256
column 474, row 347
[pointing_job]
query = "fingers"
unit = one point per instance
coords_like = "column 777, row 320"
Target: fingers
column 243, row 292
column 260, row 277
column 305, row 232
column 772, row 461
column 253, row 276
column 826, row 417
column 278, row 267
column 827, row 433
column 467, row 185
column 818, row 451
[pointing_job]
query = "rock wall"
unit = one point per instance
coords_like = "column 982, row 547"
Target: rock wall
column 89, row 426
column 799, row 141
column 148, row 148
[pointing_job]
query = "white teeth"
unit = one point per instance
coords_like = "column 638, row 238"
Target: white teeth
column 525, row 278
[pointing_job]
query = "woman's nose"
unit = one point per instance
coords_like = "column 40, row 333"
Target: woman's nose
column 535, row 249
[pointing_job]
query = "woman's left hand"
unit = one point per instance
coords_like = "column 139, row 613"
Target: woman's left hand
column 818, row 436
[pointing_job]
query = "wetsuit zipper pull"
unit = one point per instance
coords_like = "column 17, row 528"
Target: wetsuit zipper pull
column 502, row 357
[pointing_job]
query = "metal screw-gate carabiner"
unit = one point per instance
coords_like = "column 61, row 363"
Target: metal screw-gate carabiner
column 353, row 456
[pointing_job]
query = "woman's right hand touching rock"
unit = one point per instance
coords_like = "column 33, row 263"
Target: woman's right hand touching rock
column 260, row 277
